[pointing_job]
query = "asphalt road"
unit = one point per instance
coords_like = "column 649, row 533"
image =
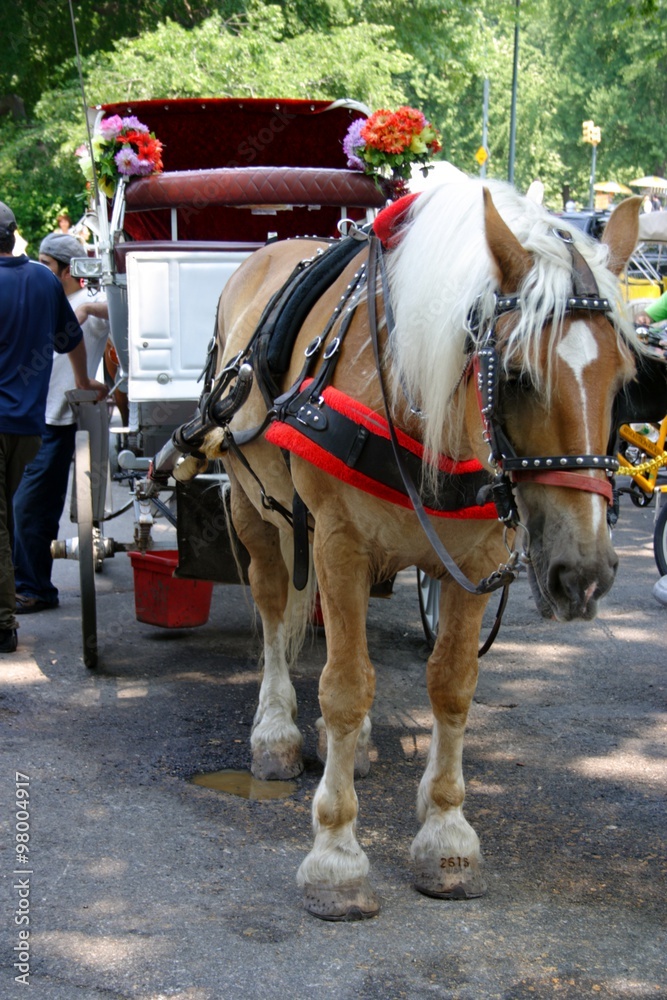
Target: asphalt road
column 144, row 886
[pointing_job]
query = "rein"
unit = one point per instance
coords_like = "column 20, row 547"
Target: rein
column 558, row 470
column 505, row 574
column 483, row 362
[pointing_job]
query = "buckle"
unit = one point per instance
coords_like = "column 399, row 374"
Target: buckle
column 313, row 347
column 331, row 348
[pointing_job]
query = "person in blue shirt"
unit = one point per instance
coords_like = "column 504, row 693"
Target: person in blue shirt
column 40, row 499
column 35, row 320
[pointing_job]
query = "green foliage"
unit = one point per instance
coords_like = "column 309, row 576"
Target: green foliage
column 578, row 59
column 36, row 179
column 37, row 40
column 250, row 56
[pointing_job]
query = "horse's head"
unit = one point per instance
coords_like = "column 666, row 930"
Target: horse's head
column 555, row 389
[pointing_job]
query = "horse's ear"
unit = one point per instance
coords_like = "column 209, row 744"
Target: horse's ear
column 621, row 233
column 512, row 261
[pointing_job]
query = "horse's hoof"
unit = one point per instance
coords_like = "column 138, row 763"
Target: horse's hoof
column 445, row 882
column 274, row 765
column 352, row 901
column 362, row 761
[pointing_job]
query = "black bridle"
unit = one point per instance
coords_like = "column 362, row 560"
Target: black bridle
column 484, row 362
column 551, row 470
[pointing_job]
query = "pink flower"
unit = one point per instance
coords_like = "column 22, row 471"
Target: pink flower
column 109, row 128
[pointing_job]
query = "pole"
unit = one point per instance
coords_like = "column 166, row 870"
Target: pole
column 515, row 77
column 591, row 189
column 485, row 124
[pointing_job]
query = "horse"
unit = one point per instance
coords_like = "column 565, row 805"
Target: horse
column 478, row 337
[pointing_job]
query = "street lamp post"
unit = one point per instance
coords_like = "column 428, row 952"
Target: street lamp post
column 515, row 79
column 592, row 135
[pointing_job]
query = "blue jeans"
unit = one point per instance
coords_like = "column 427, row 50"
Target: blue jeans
column 16, row 450
column 38, row 506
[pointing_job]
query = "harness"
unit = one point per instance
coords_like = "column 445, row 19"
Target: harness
column 554, row 470
column 309, row 407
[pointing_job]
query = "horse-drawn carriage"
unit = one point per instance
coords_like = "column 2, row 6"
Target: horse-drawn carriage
column 238, row 173
column 440, row 396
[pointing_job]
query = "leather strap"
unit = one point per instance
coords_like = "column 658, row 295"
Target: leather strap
column 570, row 480
column 501, row 577
column 300, row 531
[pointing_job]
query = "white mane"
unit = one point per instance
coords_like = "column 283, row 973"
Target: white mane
column 442, row 268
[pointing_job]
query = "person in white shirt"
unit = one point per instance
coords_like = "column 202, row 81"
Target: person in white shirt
column 40, row 498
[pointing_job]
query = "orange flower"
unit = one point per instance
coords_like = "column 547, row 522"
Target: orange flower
column 393, row 131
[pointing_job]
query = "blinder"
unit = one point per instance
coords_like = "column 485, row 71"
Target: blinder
column 553, row 470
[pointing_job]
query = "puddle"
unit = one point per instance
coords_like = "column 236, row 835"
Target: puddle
column 242, row 783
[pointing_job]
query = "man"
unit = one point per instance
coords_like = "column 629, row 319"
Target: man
column 654, row 312
column 35, row 320
column 40, row 499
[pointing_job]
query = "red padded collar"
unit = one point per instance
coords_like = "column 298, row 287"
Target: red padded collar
column 391, row 218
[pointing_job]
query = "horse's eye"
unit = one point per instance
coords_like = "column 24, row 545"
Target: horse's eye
column 518, row 382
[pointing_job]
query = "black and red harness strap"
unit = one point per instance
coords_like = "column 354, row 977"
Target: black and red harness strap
column 343, row 437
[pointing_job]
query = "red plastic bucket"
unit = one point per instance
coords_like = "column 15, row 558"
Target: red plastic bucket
column 162, row 599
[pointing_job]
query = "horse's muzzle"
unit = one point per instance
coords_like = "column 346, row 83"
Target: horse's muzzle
column 570, row 590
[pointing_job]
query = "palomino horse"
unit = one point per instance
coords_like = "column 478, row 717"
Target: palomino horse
column 505, row 350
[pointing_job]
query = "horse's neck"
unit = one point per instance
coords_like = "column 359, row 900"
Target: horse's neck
column 455, row 440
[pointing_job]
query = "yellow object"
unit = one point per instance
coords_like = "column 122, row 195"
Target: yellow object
column 641, row 288
column 611, row 187
column 481, row 156
column 644, row 474
column 591, row 133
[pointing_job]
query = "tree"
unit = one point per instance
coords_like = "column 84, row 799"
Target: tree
column 38, row 45
column 250, row 55
column 578, row 59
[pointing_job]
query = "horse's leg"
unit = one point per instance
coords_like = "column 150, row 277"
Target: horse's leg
column 446, row 851
column 362, row 760
column 334, row 874
column 275, row 740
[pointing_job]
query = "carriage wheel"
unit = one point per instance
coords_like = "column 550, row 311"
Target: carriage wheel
column 660, row 540
column 429, row 605
column 84, row 519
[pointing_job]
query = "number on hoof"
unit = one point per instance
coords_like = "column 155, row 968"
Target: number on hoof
column 277, row 765
column 353, row 901
column 452, row 877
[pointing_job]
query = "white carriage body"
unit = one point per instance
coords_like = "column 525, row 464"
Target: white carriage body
column 172, row 300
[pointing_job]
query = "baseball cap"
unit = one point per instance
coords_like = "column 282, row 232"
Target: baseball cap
column 61, row 247
column 7, row 220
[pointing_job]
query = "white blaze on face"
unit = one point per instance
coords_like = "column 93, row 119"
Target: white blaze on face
column 578, row 349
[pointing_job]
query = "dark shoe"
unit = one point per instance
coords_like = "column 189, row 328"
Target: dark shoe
column 8, row 641
column 28, row 605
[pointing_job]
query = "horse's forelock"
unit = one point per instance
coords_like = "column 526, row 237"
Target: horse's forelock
column 442, row 269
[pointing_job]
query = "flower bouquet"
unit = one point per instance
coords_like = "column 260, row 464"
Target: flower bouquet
column 388, row 143
column 122, row 147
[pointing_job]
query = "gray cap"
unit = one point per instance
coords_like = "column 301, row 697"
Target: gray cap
column 61, row 247
column 7, row 220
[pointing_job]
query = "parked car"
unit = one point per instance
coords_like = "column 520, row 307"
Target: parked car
column 645, row 274
column 591, row 220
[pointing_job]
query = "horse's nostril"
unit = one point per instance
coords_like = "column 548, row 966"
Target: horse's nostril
column 578, row 586
column 565, row 582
